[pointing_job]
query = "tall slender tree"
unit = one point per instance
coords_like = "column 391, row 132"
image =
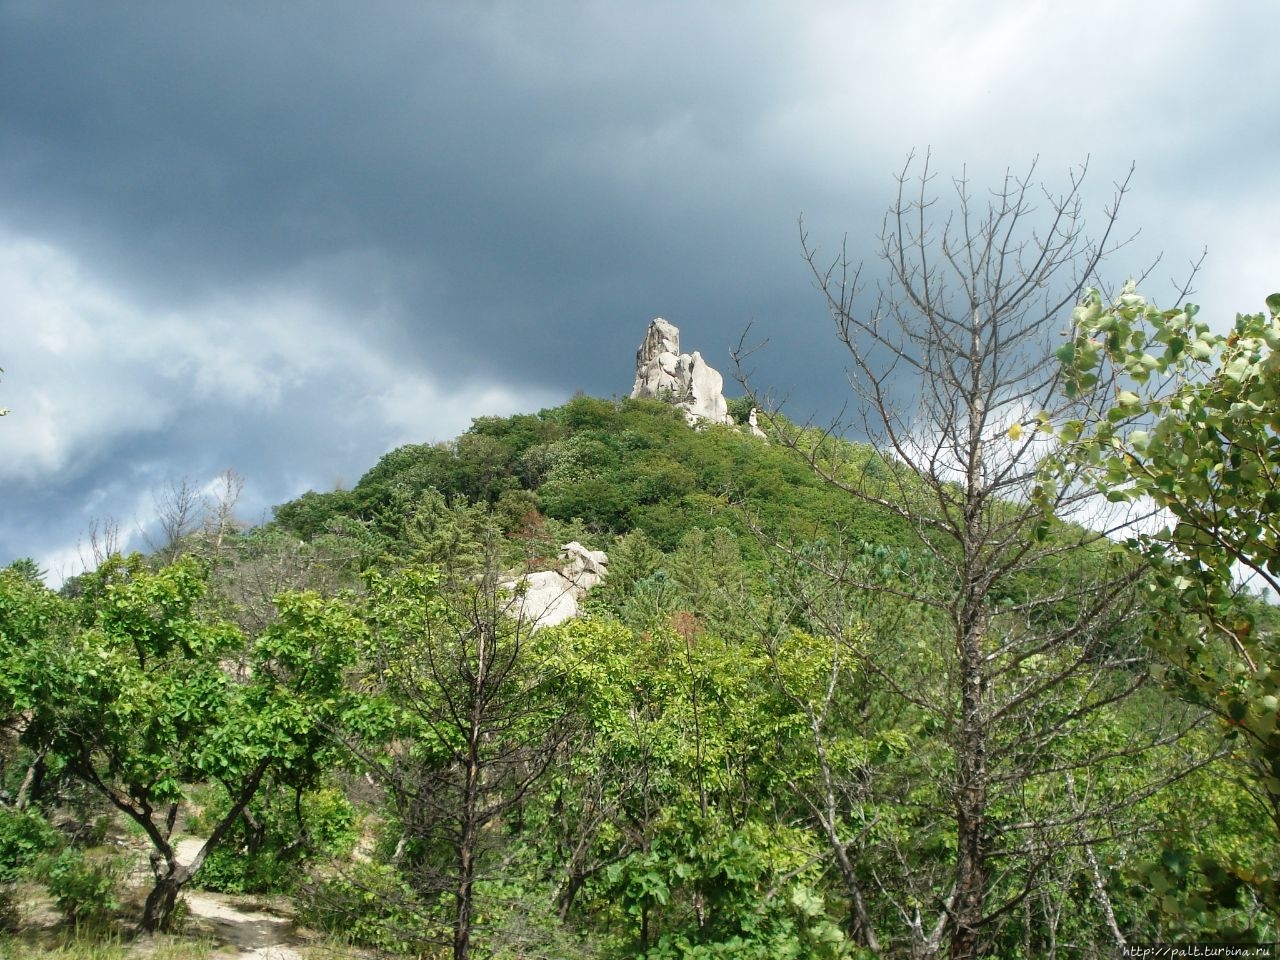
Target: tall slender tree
column 952, row 360
column 477, row 716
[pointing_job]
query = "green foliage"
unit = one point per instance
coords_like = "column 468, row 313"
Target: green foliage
column 369, row 905
column 27, row 568
column 141, row 685
column 740, row 408
column 688, row 744
column 1196, row 430
column 660, row 778
column 1197, row 433
column 280, row 832
column 1201, row 880
column 144, row 692
column 613, row 467
column 228, row 870
column 329, row 822
column 463, row 712
column 31, row 618
column 311, row 513
column 25, row 836
column 722, row 891
column 516, row 512
column 1198, row 897
column 83, row 885
column 449, row 535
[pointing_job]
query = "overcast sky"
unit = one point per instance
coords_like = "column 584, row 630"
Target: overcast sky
column 284, row 238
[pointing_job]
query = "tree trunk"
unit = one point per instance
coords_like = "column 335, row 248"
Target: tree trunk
column 163, row 898
column 575, row 875
column 466, row 880
column 864, row 933
column 971, row 802
column 172, row 876
column 30, row 782
column 469, row 831
column 574, row 883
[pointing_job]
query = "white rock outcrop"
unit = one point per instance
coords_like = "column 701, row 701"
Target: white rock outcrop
column 683, row 379
column 547, row 597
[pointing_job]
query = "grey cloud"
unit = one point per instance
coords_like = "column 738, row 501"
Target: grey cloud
column 489, row 201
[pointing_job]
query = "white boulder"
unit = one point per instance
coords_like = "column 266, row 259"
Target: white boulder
column 548, row 597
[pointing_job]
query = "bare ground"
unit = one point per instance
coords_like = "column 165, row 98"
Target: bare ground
column 243, row 927
column 256, row 933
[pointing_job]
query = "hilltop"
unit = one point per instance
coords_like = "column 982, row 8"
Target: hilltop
column 746, row 744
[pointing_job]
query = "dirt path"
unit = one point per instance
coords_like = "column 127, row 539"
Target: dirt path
column 258, row 935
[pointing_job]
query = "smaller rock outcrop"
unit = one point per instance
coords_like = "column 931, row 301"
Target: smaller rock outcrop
column 682, row 379
column 548, row 597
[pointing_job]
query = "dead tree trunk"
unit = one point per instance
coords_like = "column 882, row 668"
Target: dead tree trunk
column 953, row 362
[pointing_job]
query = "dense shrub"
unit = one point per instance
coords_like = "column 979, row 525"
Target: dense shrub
column 24, row 837
column 83, row 885
column 264, row 854
column 369, row 905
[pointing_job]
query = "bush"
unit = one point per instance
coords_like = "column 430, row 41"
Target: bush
column 269, row 858
column 83, row 886
column 740, row 408
column 229, row 870
column 24, row 837
column 370, row 905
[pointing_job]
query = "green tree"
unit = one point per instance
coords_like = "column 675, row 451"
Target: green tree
column 1195, row 430
column 32, row 618
column 148, row 695
column 668, row 820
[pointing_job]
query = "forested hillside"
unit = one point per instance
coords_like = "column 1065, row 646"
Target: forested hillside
column 746, row 746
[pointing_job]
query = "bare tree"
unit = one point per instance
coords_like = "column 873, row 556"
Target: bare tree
column 269, row 562
column 483, row 717
column 953, row 361
column 104, row 540
column 220, row 522
column 180, row 510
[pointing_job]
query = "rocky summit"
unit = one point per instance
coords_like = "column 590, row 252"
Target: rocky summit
column 682, row 379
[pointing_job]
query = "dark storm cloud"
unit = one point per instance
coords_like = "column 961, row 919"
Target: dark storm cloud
column 284, row 238
column 507, row 170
